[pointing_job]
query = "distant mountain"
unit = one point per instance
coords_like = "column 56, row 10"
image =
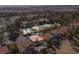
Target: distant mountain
column 26, row 8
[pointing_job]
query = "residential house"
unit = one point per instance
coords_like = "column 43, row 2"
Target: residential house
column 22, row 43
column 4, row 50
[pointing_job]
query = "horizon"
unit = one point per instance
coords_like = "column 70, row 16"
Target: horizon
column 16, row 8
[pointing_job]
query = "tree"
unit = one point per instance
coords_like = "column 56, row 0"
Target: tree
column 13, row 48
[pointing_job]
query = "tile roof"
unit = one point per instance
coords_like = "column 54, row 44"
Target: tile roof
column 37, row 37
column 59, row 30
column 23, row 43
column 3, row 50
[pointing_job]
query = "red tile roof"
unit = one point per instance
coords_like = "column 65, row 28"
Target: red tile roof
column 23, row 43
column 38, row 37
column 3, row 50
